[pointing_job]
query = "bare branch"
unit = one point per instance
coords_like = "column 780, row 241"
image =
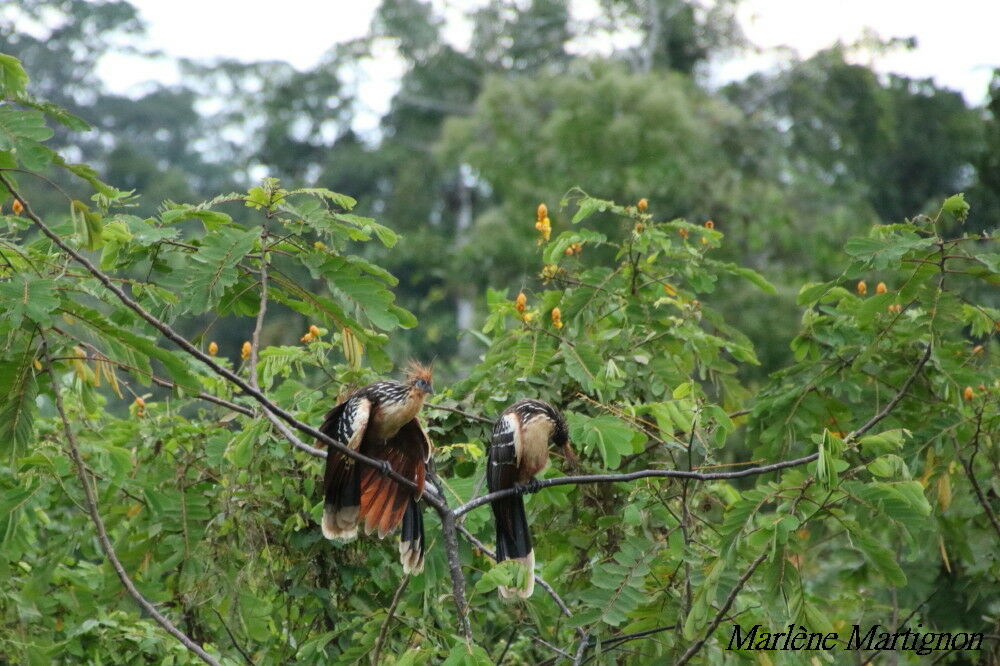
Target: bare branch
column 632, row 476
column 891, row 405
column 102, row 535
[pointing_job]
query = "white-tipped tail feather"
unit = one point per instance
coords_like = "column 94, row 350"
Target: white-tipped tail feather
column 411, row 557
column 529, row 580
column 340, row 523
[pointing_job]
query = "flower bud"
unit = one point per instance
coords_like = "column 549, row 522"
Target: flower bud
column 308, row 337
column 709, row 224
column 521, row 302
column 968, row 393
column 862, row 288
column 557, row 318
column 880, row 288
column 213, row 348
column 643, row 205
column 542, row 212
column 245, row 351
column 683, row 232
column 314, row 331
column 17, row 207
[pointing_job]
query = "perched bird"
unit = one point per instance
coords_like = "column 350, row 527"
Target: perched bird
column 519, row 449
column 379, row 421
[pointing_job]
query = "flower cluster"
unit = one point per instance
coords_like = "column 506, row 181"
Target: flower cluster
column 543, row 223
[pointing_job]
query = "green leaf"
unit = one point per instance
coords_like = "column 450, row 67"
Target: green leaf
column 956, row 206
column 13, row 78
column 582, row 362
column 15, row 125
column 608, row 435
column 27, row 297
column 241, row 448
column 883, row 559
column 508, row 573
column 555, row 250
column 212, row 269
column 176, row 368
column 17, row 409
column 463, row 655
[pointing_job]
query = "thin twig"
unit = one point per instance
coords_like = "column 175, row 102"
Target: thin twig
column 970, row 472
column 232, row 638
column 102, row 535
column 388, row 619
column 719, row 616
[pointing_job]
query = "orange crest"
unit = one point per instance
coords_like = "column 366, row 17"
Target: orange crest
column 416, row 371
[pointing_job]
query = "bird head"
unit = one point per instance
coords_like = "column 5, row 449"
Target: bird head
column 420, row 377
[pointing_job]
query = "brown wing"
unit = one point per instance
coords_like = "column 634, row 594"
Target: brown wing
column 383, row 501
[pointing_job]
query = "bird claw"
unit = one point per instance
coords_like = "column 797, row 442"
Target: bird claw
column 532, row 486
column 385, row 468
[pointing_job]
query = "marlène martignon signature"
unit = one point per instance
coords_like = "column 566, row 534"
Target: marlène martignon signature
column 875, row 638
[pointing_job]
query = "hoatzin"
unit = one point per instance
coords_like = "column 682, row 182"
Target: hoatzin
column 519, row 449
column 380, row 421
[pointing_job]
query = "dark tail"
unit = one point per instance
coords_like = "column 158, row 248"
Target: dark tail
column 411, row 539
column 343, row 497
column 514, row 542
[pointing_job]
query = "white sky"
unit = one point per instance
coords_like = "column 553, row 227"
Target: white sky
column 957, row 42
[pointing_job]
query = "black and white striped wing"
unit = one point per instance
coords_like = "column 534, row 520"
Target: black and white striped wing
column 513, row 537
column 346, row 423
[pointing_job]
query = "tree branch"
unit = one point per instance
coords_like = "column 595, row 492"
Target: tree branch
column 102, row 535
column 632, row 476
column 697, row 645
column 388, row 619
column 185, row 345
column 970, row 472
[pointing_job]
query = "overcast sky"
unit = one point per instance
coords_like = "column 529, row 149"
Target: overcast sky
column 957, row 41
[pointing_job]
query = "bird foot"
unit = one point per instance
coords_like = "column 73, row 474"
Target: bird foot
column 532, row 486
column 385, row 468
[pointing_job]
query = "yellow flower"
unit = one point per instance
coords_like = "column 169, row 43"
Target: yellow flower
column 544, row 227
column 245, row 351
column 549, row 271
column 968, row 393
column 308, row 337
column 140, row 407
column 557, row 318
column 17, row 207
column 895, row 308
column 880, row 288
column 709, row 224
column 213, row 348
column 642, row 205
column 314, row 331
column 862, row 288
column 575, row 248
column 542, row 212
column 521, row 303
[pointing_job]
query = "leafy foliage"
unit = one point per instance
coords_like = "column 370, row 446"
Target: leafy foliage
column 624, row 328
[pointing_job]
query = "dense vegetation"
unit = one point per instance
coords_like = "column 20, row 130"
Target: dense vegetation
column 806, row 401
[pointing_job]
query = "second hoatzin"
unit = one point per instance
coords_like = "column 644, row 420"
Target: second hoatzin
column 379, row 421
column 519, row 449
